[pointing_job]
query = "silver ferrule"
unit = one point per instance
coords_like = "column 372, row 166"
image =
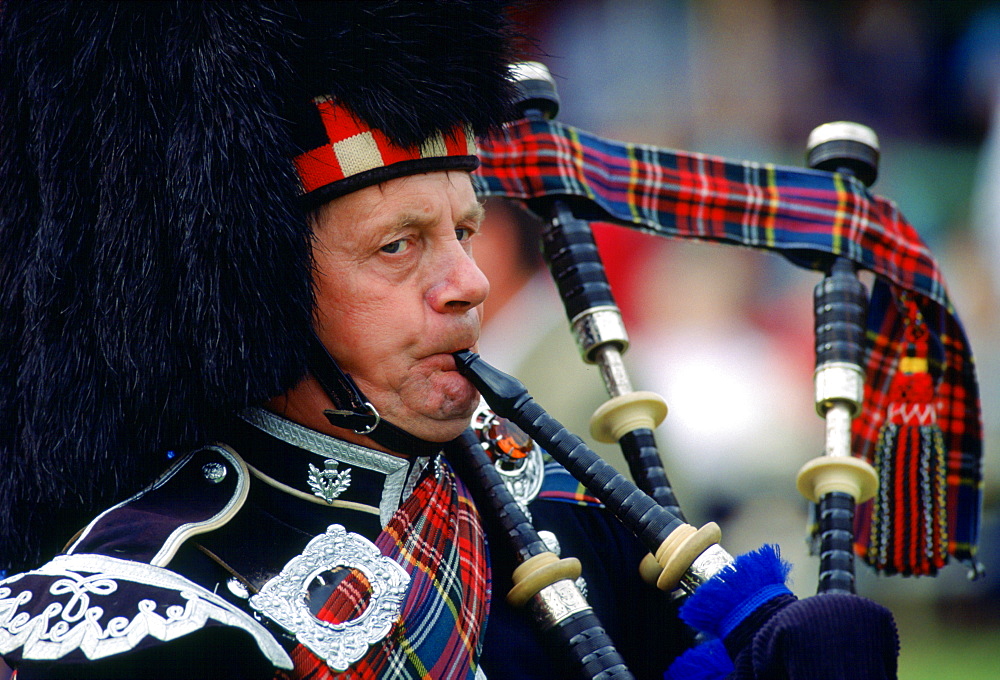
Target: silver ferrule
column 839, row 383
column 838, row 430
column 531, row 70
column 599, row 326
column 612, row 368
column 842, row 130
column 713, row 560
column 557, row 602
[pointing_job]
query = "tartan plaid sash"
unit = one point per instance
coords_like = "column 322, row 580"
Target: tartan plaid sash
column 806, row 216
column 437, row 536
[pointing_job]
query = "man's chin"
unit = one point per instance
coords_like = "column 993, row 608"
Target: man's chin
column 447, row 422
column 455, row 396
column 438, row 412
column 439, row 429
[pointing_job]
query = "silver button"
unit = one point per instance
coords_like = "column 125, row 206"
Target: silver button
column 214, row 472
column 237, row 588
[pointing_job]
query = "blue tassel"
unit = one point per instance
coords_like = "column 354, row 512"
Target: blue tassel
column 719, row 605
column 707, row 661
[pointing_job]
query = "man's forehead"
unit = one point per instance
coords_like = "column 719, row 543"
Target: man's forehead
column 405, row 202
column 407, row 216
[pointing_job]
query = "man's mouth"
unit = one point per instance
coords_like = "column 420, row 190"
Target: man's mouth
column 445, row 360
column 449, row 350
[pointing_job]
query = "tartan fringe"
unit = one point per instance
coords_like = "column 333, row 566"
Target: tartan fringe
column 909, row 526
column 905, row 527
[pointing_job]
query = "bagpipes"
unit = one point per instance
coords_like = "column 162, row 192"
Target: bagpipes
column 900, row 481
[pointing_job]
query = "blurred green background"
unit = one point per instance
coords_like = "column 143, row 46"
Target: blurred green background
column 725, row 334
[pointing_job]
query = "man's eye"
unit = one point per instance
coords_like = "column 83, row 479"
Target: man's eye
column 395, row 247
column 463, row 233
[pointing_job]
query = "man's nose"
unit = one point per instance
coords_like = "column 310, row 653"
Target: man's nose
column 462, row 284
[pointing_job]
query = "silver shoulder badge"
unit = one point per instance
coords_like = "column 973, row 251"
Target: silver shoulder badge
column 329, row 482
column 285, row 598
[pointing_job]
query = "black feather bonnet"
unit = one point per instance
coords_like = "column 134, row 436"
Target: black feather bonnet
column 154, row 252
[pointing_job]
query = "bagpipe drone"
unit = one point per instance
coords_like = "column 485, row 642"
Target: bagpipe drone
column 900, row 481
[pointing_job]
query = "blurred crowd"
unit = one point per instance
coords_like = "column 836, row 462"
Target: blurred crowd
column 725, row 334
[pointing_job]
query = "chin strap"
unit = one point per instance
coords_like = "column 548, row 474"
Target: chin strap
column 355, row 412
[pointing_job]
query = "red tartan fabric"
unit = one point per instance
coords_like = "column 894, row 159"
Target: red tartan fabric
column 805, row 215
column 902, row 530
column 437, row 536
column 354, row 147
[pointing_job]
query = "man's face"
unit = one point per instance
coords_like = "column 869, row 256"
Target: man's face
column 397, row 291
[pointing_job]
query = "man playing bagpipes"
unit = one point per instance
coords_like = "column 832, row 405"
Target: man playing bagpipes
column 239, row 298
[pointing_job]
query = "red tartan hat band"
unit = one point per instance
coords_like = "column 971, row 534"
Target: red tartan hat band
column 357, row 155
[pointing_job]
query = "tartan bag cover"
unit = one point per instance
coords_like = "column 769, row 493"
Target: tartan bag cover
column 806, row 215
column 437, row 536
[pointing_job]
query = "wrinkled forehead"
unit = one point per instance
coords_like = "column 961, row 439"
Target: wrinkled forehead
column 415, row 201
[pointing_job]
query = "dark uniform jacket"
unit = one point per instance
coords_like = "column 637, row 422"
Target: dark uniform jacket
column 158, row 586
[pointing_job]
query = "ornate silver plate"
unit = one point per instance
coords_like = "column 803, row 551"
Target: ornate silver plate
column 524, row 478
column 516, row 456
column 285, row 598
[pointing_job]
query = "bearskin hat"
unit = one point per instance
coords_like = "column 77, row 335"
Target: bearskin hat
column 154, row 250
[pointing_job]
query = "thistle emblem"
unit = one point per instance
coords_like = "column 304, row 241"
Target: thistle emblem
column 329, row 482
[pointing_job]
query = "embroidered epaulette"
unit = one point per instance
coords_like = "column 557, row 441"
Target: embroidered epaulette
column 111, row 592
